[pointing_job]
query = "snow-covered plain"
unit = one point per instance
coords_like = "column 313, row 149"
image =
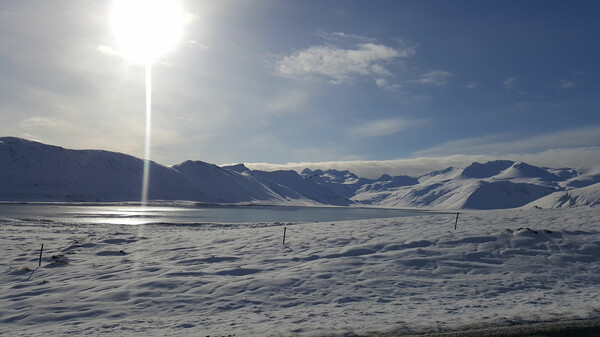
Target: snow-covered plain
column 406, row 274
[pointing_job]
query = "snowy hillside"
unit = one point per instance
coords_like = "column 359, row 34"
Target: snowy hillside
column 291, row 185
column 32, row 171
column 584, row 196
column 35, row 171
column 491, row 185
column 347, row 184
column 220, row 185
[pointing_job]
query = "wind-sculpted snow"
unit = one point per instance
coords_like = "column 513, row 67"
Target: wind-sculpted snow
column 409, row 275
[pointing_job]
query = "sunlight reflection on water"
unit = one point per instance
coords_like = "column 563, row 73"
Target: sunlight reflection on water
column 136, row 215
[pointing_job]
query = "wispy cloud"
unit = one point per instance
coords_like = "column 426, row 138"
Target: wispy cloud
column 338, row 65
column 565, row 85
column 509, row 82
column 37, row 122
column 374, row 168
column 472, row 85
column 386, row 85
column 288, row 102
column 341, row 36
column 337, row 11
column 580, row 158
column 385, row 127
column 107, row 50
column 435, row 77
column 506, row 143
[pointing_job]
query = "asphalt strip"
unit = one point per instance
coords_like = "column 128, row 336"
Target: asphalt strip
column 579, row 328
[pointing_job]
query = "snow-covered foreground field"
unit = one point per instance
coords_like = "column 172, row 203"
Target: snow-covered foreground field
column 405, row 274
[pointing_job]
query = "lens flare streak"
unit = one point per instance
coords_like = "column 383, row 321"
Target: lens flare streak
column 146, row 174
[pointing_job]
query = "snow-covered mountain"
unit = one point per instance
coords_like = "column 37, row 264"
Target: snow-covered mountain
column 216, row 184
column 292, row 186
column 35, row 171
column 347, row 184
column 583, row 196
column 491, row 185
column 32, row 171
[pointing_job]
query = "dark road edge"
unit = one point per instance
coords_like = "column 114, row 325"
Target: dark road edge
column 579, row 328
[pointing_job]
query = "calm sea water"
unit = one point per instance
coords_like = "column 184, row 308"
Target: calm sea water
column 136, row 215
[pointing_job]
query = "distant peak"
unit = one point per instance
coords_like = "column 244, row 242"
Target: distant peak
column 337, row 172
column 384, row 177
column 239, row 168
column 307, row 171
column 194, row 163
column 15, row 140
column 439, row 172
column 486, row 170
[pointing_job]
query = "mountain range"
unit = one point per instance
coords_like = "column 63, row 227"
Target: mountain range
column 33, row 171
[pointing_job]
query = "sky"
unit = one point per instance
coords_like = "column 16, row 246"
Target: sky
column 376, row 87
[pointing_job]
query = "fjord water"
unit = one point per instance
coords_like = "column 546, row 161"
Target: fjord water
column 136, row 215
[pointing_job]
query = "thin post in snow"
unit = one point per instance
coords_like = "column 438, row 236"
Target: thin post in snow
column 456, row 221
column 284, row 230
column 40, row 261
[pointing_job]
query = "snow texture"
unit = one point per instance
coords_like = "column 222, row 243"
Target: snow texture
column 407, row 275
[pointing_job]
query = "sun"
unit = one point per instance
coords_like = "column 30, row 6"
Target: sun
column 146, row 29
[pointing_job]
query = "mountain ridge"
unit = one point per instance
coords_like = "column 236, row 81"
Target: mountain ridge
column 33, row 171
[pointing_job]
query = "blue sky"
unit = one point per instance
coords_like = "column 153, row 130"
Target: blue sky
column 397, row 86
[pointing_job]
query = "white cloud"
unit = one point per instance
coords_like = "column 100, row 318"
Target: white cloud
column 435, row 77
column 580, row 158
column 384, row 127
column 509, row 82
column 368, row 168
column 379, row 70
column 341, row 65
column 386, row 85
column 575, row 148
column 381, row 82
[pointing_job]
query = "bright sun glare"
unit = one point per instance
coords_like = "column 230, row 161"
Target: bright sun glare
column 146, row 29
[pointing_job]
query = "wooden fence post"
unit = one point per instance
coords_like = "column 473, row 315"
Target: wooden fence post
column 456, row 221
column 40, row 261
